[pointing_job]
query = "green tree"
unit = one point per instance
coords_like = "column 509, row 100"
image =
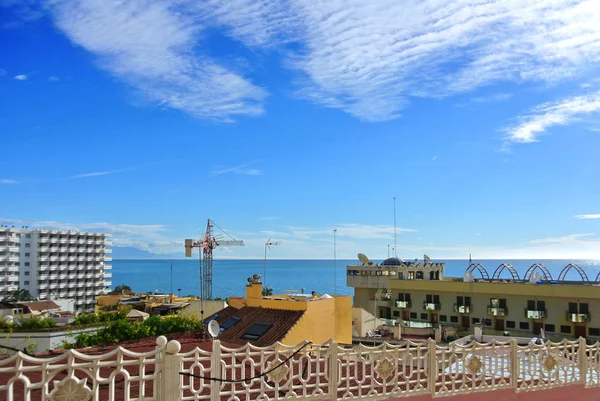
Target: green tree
column 267, row 291
column 18, row 295
column 122, row 287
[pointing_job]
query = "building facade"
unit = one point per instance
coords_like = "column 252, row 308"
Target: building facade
column 53, row 264
column 417, row 293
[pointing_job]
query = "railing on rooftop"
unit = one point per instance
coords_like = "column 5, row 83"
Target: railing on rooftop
column 304, row 371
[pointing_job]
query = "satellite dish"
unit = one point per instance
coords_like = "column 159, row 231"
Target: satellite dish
column 364, row 259
column 214, row 329
column 427, row 259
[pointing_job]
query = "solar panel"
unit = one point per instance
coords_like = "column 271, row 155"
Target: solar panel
column 230, row 322
column 257, row 330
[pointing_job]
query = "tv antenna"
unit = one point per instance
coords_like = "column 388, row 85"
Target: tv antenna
column 268, row 244
column 395, row 245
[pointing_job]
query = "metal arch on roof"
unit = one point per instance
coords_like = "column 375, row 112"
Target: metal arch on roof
column 563, row 272
column 598, row 277
column 480, row 268
column 542, row 268
column 508, row 267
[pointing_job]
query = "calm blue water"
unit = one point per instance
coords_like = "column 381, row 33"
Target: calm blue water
column 229, row 276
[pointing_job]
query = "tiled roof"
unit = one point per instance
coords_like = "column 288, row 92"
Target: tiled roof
column 282, row 321
column 38, row 305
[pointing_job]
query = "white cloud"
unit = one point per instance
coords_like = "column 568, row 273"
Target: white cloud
column 151, row 46
column 547, row 115
column 587, row 216
column 53, row 78
column 567, row 239
column 21, row 77
column 2, row 72
column 434, row 158
column 368, row 57
column 6, row 181
column 95, row 174
column 240, row 169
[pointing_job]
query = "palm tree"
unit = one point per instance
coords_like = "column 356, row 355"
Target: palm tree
column 267, row 291
column 18, row 295
column 122, row 287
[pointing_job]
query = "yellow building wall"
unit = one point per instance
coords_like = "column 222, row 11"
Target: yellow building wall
column 323, row 319
column 104, row 301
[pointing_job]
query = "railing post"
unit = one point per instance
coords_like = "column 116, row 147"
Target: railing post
column 514, row 364
column 333, row 371
column 582, row 360
column 215, row 371
column 432, row 373
column 169, row 389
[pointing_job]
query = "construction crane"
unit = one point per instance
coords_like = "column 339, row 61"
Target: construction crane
column 208, row 242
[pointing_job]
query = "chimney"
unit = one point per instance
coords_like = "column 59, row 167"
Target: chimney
column 254, row 291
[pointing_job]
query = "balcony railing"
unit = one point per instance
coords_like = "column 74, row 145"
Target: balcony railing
column 535, row 314
column 462, row 308
column 399, row 304
column 431, row 305
column 578, row 317
column 497, row 311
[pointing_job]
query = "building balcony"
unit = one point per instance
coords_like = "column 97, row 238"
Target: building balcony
column 43, row 286
column 497, row 311
column 43, row 249
column 108, row 250
column 13, row 269
column 432, row 305
column 13, row 248
column 399, row 304
column 578, row 317
column 43, row 240
column 54, row 268
column 43, row 277
column 462, row 308
column 44, row 268
column 535, row 314
column 108, row 258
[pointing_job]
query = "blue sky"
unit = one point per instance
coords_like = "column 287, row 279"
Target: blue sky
column 288, row 119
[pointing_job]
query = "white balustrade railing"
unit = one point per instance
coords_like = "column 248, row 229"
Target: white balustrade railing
column 305, row 371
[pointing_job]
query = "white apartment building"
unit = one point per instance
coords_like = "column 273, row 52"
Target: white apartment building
column 54, row 264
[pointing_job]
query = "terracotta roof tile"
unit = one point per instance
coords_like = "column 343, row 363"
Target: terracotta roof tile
column 282, row 321
column 38, row 305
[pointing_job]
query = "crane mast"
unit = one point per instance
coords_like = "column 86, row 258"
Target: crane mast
column 208, row 243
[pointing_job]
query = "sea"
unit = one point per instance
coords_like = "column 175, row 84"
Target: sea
column 230, row 276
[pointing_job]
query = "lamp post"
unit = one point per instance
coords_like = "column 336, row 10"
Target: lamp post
column 334, row 262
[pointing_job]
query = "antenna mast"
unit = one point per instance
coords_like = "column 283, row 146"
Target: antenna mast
column 395, row 245
column 268, row 244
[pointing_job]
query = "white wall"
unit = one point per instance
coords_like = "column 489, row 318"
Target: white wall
column 44, row 340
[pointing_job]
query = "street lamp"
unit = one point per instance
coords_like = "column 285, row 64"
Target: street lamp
column 334, row 262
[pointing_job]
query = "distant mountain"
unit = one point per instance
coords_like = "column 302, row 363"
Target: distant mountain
column 128, row 252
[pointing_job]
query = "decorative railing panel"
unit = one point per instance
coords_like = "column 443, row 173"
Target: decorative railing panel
column 473, row 367
column 548, row 365
column 121, row 374
column 384, row 371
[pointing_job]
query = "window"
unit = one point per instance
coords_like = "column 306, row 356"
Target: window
column 27, row 254
column 435, row 299
column 230, row 322
column 443, row 318
column 530, row 304
column 550, row 328
column 27, row 245
column 257, row 330
column 594, row 332
column 413, row 315
column 584, row 308
column 26, row 263
column 454, row 319
column 27, row 273
column 565, row 329
column 403, row 297
column 26, row 283
column 572, row 309
column 424, row 316
column 524, row 325
column 475, row 320
column 498, row 303
column 541, row 305
column 27, row 235
column 396, row 313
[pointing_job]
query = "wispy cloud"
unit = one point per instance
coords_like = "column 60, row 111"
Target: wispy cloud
column 240, row 169
column 434, row 158
column 567, row 239
column 151, row 46
column 547, row 115
column 493, row 98
column 6, row 181
column 21, row 77
column 2, row 72
column 368, row 58
column 587, row 216
column 53, row 78
column 95, row 174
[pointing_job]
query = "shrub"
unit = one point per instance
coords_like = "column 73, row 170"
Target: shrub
column 36, row 322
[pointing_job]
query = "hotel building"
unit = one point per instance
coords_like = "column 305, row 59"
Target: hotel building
column 53, row 264
column 417, row 293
